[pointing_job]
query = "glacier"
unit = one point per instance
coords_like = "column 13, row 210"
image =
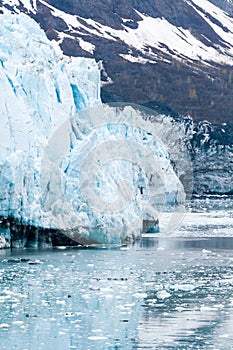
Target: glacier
column 40, row 88
column 64, row 156
column 117, row 178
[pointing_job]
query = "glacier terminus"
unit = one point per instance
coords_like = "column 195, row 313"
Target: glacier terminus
column 47, row 106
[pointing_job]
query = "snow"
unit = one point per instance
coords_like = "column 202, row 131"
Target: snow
column 139, row 59
column 152, row 32
column 74, row 24
column 214, row 11
column 218, row 14
column 160, row 34
column 86, row 46
column 30, row 5
column 106, row 79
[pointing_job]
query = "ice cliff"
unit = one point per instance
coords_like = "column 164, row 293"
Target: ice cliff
column 40, row 88
column 59, row 165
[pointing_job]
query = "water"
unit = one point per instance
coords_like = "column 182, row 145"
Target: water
column 160, row 293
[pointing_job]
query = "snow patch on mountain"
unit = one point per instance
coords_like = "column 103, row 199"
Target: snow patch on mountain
column 86, row 46
column 29, row 5
column 226, row 31
column 158, row 33
column 151, row 34
column 138, row 59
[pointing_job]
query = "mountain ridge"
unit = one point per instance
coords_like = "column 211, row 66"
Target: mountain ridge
column 178, row 54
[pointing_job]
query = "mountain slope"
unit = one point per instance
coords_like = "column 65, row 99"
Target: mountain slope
column 176, row 53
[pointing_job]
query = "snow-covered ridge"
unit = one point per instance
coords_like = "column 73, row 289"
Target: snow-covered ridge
column 160, row 34
column 152, row 33
column 153, row 51
column 30, row 5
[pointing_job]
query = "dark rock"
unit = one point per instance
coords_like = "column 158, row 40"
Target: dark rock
column 72, row 48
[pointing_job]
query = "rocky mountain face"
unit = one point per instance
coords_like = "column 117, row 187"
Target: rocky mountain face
column 225, row 5
column 211, row 149
column 174, row 54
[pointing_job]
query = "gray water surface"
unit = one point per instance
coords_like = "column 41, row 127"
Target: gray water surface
column 160, row 293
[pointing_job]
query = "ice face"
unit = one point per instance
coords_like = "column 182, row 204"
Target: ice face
column 107, row 174
column 40, row 88
column 60, row 167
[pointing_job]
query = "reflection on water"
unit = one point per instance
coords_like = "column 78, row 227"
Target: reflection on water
column 187, row 243
column 160, row 293
column 146, row 296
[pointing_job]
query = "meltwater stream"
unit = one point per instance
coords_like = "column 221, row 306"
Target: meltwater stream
column 174, row 293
